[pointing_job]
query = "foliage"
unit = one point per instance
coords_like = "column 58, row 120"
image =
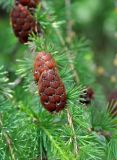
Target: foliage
column 79, row 132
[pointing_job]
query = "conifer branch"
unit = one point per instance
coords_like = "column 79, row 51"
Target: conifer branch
column 8, row 140
column 65, row 157
column 38, row 134
column 70, row 121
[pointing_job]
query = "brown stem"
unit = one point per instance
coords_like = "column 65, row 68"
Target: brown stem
column 70, row 121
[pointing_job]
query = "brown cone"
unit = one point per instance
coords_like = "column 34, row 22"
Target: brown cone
column 23, row 23
column 52, row 91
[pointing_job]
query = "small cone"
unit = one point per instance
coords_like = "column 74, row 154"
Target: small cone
column 23, row 23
